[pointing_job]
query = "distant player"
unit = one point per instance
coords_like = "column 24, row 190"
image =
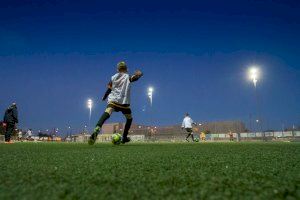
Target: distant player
column 29, row 134
column 20, row 135
column 118, row 94
column 203, row 136
column 187, row 124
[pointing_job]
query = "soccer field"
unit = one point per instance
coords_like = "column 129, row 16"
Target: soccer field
column 150, row 171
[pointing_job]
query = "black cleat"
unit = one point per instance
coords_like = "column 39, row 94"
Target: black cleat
column 125, row 140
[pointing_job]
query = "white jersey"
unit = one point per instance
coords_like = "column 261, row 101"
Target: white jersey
column 187, row 122
column 29, row 133
column 120, row 89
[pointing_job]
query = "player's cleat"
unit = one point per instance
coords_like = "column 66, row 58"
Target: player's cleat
column 187, row 140
column 125, row 140
column 91, row 140
column 93, row 137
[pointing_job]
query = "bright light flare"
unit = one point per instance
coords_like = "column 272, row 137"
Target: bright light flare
column 90, row 103
column 254, row 75
column 90, row 106
column 150, row 89
column 150, row 94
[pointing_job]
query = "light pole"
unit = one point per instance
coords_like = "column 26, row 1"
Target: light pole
column 293, row 131
column 85, row 129
column 69, row 131
column 150, row 95
column 56, row 132
column 254, row 74
column 90, row 106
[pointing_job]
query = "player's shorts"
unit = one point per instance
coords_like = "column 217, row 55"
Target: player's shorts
column 189, row 130
column 115, row 107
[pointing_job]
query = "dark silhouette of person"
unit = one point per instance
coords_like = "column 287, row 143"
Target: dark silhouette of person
column 10, row 120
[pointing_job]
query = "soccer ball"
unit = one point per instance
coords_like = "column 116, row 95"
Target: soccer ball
column 196, row 140
column 116, row 138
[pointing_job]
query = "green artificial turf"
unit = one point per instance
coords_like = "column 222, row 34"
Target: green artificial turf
column 150, row 171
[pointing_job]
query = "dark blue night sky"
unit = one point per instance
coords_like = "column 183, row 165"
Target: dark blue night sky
column 54, row 55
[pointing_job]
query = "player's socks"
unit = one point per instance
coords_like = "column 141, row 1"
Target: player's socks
column 105, row 116
column 127, row 127
column 125, row 139
column 193, row 137
column 93, row 137
column 101, row 121
column 97, row 130
column 187, row 137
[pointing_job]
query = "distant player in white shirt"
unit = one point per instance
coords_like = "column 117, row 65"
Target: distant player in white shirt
column 187, row 124
column 29, row 134
column 118, row 94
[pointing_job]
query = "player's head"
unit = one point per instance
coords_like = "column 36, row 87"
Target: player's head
column 187, row 114
column 122, row 67
column 13, row 105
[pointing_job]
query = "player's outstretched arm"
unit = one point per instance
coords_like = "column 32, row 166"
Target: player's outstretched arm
column 136, row 76
column 108, row 91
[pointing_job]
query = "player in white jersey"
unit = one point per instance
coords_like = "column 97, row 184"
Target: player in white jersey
column 118, row 94
column 187, row 124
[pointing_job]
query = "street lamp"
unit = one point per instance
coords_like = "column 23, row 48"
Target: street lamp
column 293, row 131
column 56, row 131
column 69, row 130
column 90, row 106
column 254, row 74
column 150, row 95
column 85, row 131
